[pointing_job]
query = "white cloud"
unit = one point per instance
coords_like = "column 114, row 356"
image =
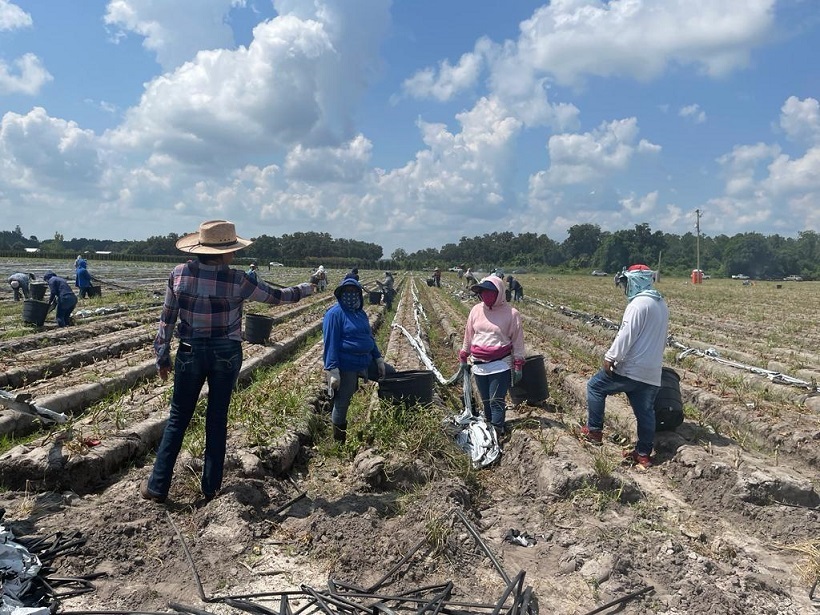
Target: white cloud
column 800, row 119
column 297, row 83
column 638, row 206
column 574, row 39
column 447, row 81
column 345, row 164
column 578, row 158
column 174, row 31
column 12, row 16
column 26, row 76
column 694, row 113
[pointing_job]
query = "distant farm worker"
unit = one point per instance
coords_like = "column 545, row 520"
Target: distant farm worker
column 469, row 277
column 60, row 296
column 353, row 274
column 633, row 363
column 437, row 277
column 251, row 272
column 82, row 278
column 494, row 343
column 320, row 275
column 350, row 351
column 19, row 283
column 206, row 296
column 460, row 271
column 388, row 288
column 516, row 290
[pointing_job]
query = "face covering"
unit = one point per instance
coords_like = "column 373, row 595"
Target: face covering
column 488, row 297
column 640, row 283
column 350, row 300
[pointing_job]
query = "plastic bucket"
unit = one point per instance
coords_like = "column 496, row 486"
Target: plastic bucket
column 38, row 290
column 408, row 388
column 95, row 291
column 533, row 386
column 668, row 404
column 35, row 312
column 375, row 297
column 258, row 328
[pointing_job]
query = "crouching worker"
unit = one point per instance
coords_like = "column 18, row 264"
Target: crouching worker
column 350, row 351
column 61, row 296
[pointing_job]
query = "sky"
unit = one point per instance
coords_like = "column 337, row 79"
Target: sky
column 408, row 123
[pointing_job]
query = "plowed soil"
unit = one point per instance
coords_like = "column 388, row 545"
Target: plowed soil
column 726, row 521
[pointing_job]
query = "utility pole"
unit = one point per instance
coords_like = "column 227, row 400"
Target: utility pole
column 697, row 243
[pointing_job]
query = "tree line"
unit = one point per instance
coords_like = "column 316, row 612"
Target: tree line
column 586, row 247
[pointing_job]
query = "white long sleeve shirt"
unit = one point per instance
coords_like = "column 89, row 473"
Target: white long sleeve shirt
column 638, row 348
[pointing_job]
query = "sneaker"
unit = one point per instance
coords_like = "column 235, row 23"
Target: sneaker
column 593, row 436
column 635, row 458
column 150, row 495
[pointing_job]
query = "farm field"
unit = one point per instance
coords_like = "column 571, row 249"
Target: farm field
column 726, row 521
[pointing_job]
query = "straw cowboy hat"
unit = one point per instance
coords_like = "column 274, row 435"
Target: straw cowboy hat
column 213, row 237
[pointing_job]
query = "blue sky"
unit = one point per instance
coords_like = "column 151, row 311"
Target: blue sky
column 409, row 123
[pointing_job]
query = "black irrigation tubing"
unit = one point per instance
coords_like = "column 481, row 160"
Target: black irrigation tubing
column 249, row 607
column 190, row 559
column 622, row 600
column 398, row 565
column 514, row 584
column 184, row 608
column 406, row 597
column 483, row 546
column 289, row 503
column 437, row 601
column 98, row 612
column 112, row 284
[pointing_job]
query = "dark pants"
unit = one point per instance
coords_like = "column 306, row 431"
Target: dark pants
column 348, row 386
column 493, row 390
column 641, row 397
column 218, row 362
column 389, row 293
column 20, row 292
column 65, row 305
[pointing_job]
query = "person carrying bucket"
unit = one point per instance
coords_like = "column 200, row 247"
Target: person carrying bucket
column 61, row 296
column 494, row 343
column 350, row 352
column 388, row 288
column 633, row 363
column 203, row 306
column 19, row 283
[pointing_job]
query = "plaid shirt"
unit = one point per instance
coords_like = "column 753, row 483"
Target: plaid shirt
column 208, row 299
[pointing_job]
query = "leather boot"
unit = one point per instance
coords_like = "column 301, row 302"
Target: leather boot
column 339, row 433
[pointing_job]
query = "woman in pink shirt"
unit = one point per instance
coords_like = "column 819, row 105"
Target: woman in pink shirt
column 494, row 344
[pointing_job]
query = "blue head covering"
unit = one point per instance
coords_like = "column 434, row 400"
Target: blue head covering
column 637, row 280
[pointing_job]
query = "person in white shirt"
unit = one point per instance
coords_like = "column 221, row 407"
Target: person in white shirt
column 633, row 363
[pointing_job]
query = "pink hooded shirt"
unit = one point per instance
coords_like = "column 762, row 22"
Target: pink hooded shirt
column 495, row 332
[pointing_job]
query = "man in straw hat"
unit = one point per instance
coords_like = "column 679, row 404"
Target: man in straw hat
column 206, row 295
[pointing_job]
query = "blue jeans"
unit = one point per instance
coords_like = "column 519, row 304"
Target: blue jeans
column 216, row 361
column 348, row 386
column 65, row 305
column 493, row 390
column 641, row 397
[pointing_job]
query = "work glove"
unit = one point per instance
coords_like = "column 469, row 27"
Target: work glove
column 334, row 379
column 463, row 355
column 382, row 367
column 518, row 371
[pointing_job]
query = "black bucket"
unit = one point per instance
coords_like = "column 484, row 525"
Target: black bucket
column 35, row 312
column 431, row 282
column 258, row 328
column 38, row 290
column 95, row 291
column 533, row 386
column 408, row 388
column 375, row 297
column 668, row 404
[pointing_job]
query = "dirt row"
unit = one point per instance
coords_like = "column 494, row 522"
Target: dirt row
column 601, row 530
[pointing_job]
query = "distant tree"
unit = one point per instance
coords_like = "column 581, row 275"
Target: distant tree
column 399, row 254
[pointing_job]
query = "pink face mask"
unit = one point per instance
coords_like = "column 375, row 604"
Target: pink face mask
column 488, row 297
